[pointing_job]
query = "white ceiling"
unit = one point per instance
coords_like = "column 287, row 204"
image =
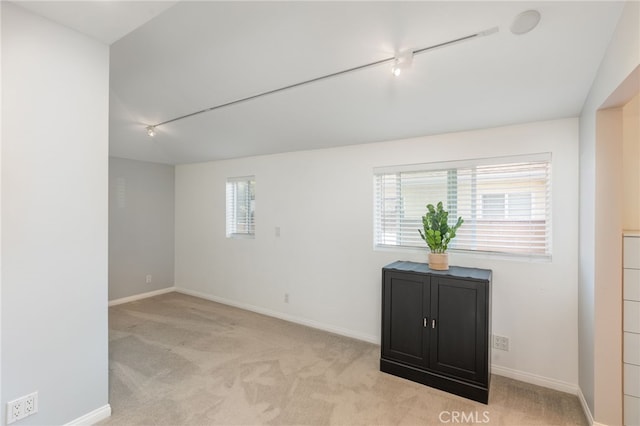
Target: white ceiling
column 104, row 20
column 196, row 55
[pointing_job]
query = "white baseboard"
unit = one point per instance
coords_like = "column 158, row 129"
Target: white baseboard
column 291, row 318
column 585, row 408
column 93, row 417
column 547, row 383
column 535, row 379
column 141, row 296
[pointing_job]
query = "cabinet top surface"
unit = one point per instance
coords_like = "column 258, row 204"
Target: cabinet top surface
column 454, row 271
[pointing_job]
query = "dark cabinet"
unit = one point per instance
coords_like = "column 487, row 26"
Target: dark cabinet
column 436, row 327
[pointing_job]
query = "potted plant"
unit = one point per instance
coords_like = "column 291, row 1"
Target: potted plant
column 437, row 234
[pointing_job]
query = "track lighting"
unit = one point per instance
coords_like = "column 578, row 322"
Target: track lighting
column 401, row 61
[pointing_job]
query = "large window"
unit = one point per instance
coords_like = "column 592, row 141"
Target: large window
column 241, row 204
column 505, row 203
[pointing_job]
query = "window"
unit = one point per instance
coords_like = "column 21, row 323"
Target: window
column 505, row 203
column 241, row 204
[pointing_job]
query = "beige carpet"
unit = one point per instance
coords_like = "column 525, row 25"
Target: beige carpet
column 180, row 360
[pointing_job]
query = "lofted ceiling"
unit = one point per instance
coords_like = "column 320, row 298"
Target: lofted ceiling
column 104, row 20
column 192, row 55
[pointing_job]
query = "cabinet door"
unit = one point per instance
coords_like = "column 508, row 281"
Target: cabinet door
column 459, row 338
column 405, row 302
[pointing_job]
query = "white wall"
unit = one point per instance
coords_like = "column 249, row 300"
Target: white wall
column 54, row 218
column 621, row 58
column 324, row 259
column 141, row 227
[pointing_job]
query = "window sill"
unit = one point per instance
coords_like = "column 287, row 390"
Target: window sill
column 241, row 236
column 471, row 254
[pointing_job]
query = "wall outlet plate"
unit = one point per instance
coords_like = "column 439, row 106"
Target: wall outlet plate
column 501, row 343
column 22, row 407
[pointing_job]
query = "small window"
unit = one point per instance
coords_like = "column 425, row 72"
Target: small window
column 505, row 203
column 241, row 204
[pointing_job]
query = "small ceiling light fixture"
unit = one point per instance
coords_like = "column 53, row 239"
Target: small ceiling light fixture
column 151, row 131
column 403, row 60
column 525, row 22
column 395, row 69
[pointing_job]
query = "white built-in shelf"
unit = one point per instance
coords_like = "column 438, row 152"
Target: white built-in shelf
column 631, row 327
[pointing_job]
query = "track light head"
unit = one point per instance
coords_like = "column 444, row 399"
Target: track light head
column 402, row 60
column 151, row 131
column 396, row 69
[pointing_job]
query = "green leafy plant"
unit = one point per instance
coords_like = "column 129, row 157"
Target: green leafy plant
column 437, row 232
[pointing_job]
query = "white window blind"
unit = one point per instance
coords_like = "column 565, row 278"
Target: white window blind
column 505, row 204
column 241, row 202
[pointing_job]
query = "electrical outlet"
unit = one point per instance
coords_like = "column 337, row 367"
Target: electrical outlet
column 30, row 404
column 22, row 407
column 148, row 278
column 286, row 298
column 14, row 410
column 501, row 343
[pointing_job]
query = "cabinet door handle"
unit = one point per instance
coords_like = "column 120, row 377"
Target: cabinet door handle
column 433, row 323
column 424, row 322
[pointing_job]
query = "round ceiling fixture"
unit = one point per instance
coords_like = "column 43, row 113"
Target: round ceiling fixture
column 525, row 22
